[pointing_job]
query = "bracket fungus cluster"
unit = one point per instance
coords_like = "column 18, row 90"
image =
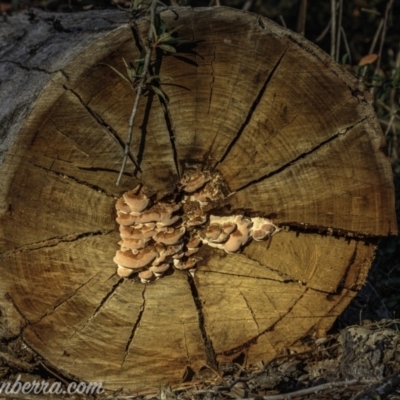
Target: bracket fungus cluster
column 156, row 236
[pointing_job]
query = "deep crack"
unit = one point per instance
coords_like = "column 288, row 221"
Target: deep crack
column 253, row 340
column 57, row 306
column 98, row 189
column 113, row 134
column 103, row 301
column 211, row 357
column 252, row 109
column 302, row 155
column 54, row 241
column 135, row 327
column 250, row 309
column 212, row 80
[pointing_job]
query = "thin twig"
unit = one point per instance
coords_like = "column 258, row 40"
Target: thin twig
column 140, row 87
column 383, row 35
column 333, row 28
column 339, row 31
column 370, row 11
column 393, row 115
column 324, row 32
column 60, row 378
column 388, row 315
column 301, row 20
column 381, row 389
column 282, row 21
column 248, row 5
column 376, row 36
column 346, row 44
column 313, row 390
column 233, row 383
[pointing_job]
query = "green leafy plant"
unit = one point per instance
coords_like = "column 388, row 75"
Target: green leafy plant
column 139, row 73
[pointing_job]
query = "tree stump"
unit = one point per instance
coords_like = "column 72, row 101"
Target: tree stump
column 290, row 132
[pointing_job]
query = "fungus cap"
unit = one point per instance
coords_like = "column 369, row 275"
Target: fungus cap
column 170, row 238
column 215, row 245
column 191, row 251
column 240, row 236
column 120, row 205
column 145, row 276
column 262, row 227
column 136, row 199
column 223, row 237
column 124, row 272
column 159, row 270
column 125, row 219
column 194, row 180
column 161, row 212
column 194, row 242
column 196, row 221
column 213, row 231
column 166, row 251
column 136, row 261
column 228, row 227
column 188, row 264
column 130, row 243
column 168, row 221
column 134, row 232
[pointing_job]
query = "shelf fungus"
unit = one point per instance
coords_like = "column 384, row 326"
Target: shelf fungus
column 158, row 236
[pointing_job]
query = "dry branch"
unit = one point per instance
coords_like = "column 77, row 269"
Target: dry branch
column 139, row 86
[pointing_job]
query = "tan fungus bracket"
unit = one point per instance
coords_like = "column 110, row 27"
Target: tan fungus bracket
column 158, row 236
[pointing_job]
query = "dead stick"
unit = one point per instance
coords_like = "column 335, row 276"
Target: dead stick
column 333, row 28
column 140, row 87
column 301, row 20
column 346, row 44
column 248, row 5
column 383, row 35
column 312, row 390
column 339, row 31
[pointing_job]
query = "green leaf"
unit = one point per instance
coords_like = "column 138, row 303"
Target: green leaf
column 159, row 92
column 140, row 64
column 158, row 77
column 162, row 27
column 155, row 37
column 131, row 71
column 117, row 72
column 174, row 29
column 153, row 77
column 360, row 71
column 164, row 37
column 167, row 47
column 377, row 78
column 396, row 77
column 177, row 40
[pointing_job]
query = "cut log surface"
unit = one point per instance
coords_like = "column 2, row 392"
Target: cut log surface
column 289, row 131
